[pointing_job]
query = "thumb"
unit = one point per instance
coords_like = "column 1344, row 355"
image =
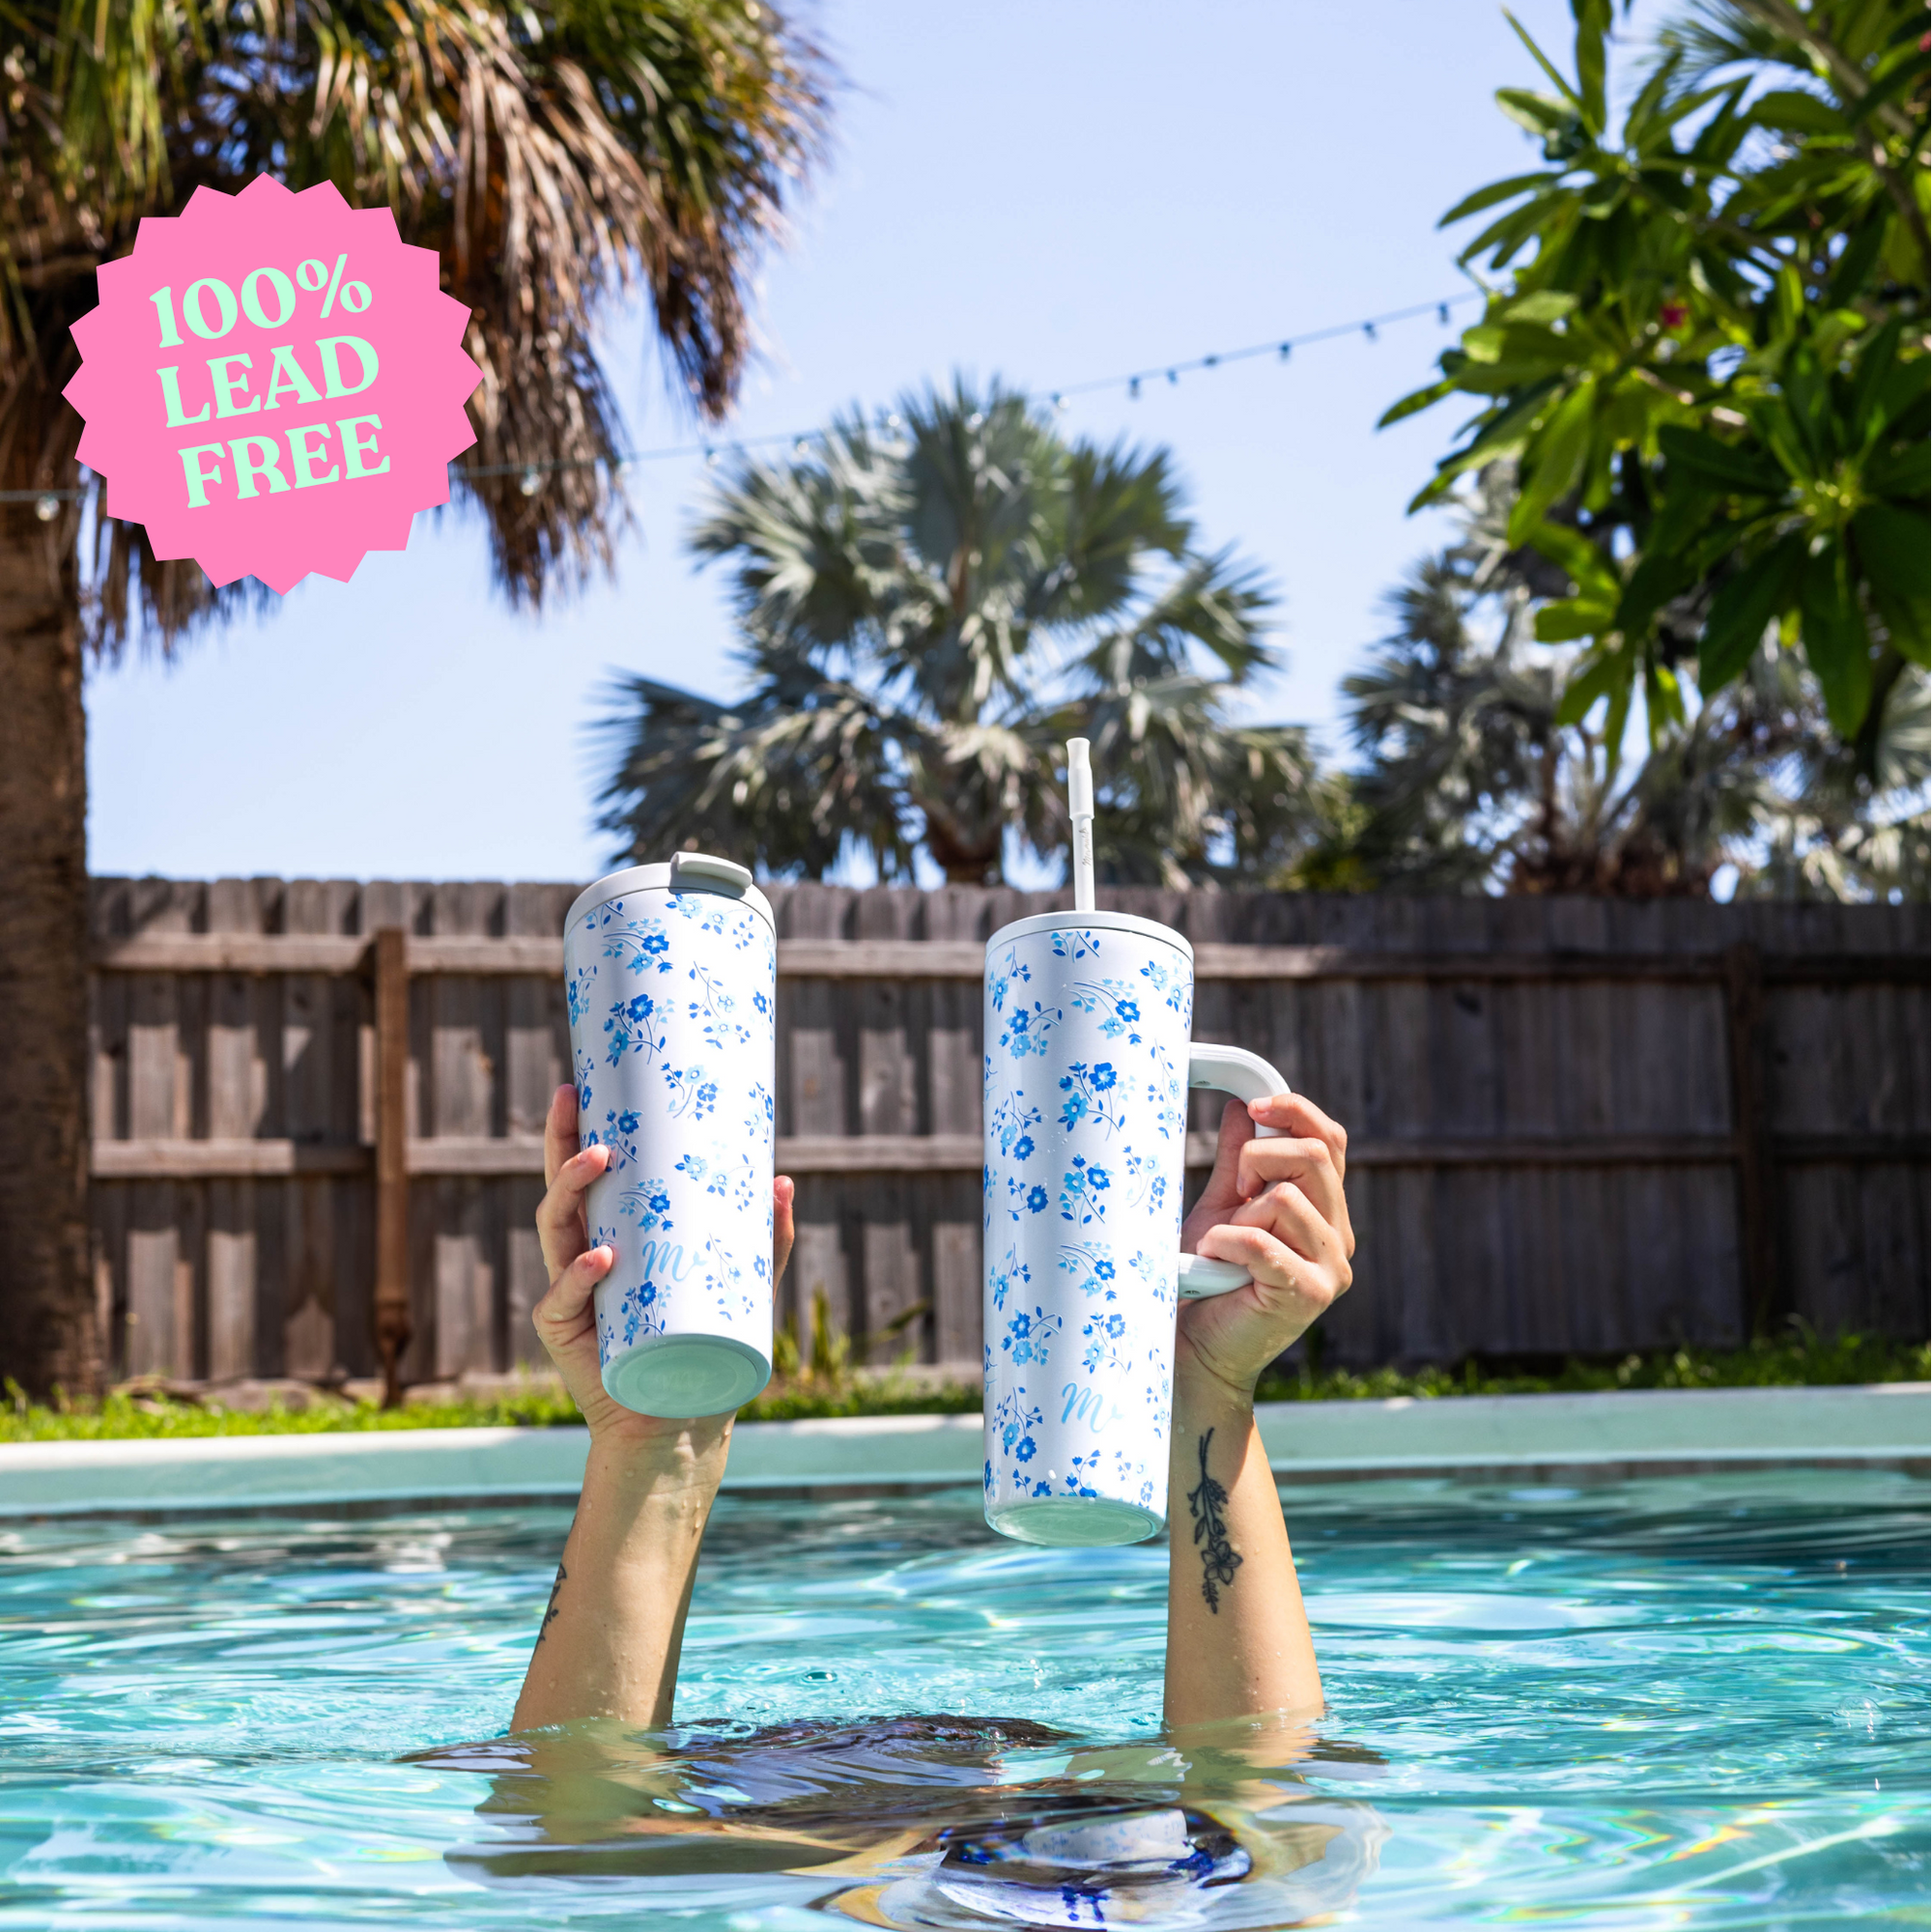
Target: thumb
column 782, row 1230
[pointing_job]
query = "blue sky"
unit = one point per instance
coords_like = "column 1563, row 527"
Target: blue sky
column 1053, row 192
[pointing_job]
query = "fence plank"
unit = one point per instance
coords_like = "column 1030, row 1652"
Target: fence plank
column 158, row 1342
column 536, row 1060
column 392, row 1315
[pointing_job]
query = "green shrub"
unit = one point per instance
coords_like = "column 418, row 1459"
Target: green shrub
column 1794, row 1360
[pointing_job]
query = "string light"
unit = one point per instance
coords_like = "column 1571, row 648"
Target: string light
column 622, row 463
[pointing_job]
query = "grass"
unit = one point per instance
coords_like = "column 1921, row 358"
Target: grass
column 1790, row 1361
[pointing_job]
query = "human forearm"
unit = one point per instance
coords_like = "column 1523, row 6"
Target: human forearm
column 612, row 1631
column 611, row 1635
column 1238, row 1641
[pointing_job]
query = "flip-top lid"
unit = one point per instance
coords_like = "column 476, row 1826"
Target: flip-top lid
column 683, row 873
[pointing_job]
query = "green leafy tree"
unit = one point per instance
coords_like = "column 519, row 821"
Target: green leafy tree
column 1471, row 777
column 553, row 154
column 1705, row 353
column 929, row 605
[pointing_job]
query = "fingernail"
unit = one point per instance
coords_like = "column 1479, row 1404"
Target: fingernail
column 783, row 1188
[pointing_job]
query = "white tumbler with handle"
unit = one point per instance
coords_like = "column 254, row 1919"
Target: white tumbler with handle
column 1087, row 1062
column 671, row 973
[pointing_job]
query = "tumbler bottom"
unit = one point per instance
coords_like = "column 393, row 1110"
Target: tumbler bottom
column 686, row 1374
column 1075, row 1521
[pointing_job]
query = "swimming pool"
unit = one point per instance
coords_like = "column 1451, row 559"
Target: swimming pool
column 1676, row 1702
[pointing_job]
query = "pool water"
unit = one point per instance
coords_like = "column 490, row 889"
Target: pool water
column 1671, row 1703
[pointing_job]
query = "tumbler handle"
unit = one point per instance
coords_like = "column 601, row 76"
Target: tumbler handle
column 1247, row 1076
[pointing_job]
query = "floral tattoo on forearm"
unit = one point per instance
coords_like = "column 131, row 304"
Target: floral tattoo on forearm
column 1219, row 1558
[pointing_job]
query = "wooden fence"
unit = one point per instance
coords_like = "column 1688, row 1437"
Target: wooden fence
column 1576, row 1125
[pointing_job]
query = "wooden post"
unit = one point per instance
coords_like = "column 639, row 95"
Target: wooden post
column 1758, row 1257
column 390, row 1309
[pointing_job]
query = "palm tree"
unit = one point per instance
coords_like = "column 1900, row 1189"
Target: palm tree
column 553, row 154
column 930, row 604
column 1475, row 778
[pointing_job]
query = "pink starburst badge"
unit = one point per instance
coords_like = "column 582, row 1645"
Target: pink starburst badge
column 273, row 382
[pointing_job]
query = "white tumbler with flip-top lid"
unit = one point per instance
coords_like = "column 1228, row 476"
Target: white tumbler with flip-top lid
column 1087, row 1062
column 671, row 973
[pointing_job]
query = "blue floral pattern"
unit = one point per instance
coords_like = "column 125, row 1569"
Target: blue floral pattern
column 634, row 1026
column 1087, row 1042
column 1003, row 1279
column 647, row 1202
column 670, row 998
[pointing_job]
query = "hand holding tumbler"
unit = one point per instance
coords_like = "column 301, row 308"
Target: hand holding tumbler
column 671, row 973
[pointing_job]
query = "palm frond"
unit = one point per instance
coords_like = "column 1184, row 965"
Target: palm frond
column 1469, row 780
column 983, row 589
column 787, row 782
column 555, row 155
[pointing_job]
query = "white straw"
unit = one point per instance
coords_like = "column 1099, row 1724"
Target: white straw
column 1080, row 807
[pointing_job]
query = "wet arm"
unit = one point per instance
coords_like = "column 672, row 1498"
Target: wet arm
column 1237, row 1638
column 1238, row 1641
column 609, row 1643
column 614, row 1624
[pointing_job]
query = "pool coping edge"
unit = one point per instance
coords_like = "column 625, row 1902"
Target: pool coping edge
column 1534, row 1439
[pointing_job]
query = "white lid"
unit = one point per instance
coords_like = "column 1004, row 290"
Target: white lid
column 684, row 872
column 1081, row 922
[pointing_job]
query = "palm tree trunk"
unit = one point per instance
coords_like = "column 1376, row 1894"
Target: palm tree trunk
column 47, row 1329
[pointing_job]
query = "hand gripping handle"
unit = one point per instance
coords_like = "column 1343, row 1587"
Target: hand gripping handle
column 1247, row 1076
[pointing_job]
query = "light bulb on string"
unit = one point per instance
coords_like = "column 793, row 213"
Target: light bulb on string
column 532, row 477
column 46, row 506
